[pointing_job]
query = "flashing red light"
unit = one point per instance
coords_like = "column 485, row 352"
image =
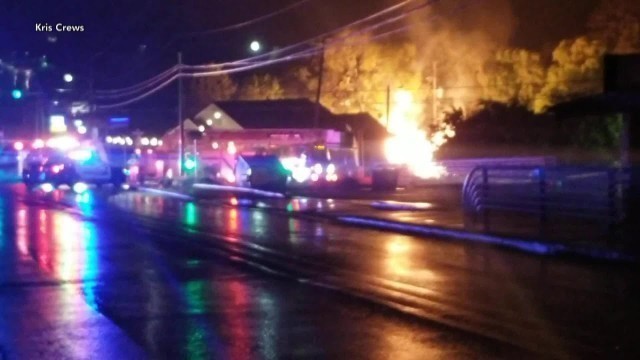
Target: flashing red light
column 234, row 201
column 18, row 145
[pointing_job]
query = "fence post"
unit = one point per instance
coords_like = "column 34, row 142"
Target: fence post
column 542, row 175
column 485, row 196
column 612, row 194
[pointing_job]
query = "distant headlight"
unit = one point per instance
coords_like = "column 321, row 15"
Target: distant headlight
column 57, row 168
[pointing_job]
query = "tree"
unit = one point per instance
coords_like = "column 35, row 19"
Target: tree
column 214, row 88
column 261, row 87
column 513, row 76
column 576, row 70
column 616, row 23
column 357, row 72
column 302, row 80
column 499, row 123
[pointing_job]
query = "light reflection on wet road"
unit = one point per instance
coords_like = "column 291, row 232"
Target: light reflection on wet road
column 80, row 279
column 541, row 303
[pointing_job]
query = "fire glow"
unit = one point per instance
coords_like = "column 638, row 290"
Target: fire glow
column 409, row 145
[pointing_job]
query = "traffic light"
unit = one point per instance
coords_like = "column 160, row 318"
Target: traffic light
column 16, row 94
column 190, row 164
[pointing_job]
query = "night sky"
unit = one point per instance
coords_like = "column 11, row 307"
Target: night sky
column 125, row 40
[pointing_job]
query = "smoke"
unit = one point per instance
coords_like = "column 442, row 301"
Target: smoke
column 460, row 36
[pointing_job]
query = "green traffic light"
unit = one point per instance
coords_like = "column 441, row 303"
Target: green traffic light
column 16, row 94
column 190, row 164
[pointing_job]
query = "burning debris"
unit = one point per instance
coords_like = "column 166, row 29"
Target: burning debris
column 409, row 144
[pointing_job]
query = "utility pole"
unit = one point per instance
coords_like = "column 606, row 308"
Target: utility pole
column 180, row 120
column 434, row 93
column 388, row 104
column 316, row 121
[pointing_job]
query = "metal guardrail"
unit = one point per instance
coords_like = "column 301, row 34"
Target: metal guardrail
column 457, row 170
column 578, row 192
column 462, row 167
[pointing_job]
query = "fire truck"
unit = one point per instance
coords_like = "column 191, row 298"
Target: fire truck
column 310, row 156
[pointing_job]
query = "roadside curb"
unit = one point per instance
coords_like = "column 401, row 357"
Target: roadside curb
column 536, row 247
column 174, row 194
column 529, row 246
column 236, row 189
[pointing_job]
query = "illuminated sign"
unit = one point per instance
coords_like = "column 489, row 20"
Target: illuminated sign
column 57, row 124
column 285, row 136
column 119, row 122
column 80, row 107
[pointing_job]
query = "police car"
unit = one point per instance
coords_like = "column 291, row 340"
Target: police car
column 67, row 161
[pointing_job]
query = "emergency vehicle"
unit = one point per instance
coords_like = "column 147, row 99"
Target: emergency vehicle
column 311, row 156
column 71, row 161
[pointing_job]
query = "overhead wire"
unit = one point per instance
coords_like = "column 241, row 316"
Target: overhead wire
column 142, row 85
column 248, row 22
column 158, row 78
column 233, row 26
column 300, row 55
column 318, row 38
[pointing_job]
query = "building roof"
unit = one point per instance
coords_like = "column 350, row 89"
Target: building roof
column 367, row 125
column 289, row 114
column 280, row 114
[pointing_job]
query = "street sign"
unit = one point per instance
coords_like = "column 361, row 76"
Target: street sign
column 80, row 107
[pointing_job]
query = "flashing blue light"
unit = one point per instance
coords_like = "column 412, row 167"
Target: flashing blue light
column 16, row 94
column 119, row 120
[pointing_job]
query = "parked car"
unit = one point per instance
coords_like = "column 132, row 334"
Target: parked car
column 263, row 172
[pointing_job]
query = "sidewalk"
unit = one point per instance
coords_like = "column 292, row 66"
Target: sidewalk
column 434, row 212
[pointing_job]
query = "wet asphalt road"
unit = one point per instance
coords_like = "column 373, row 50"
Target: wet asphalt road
column 80, row 279
column 561, row 308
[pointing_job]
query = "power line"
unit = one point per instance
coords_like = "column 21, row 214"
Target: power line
column 142, row 96
column 159, row 78
column 243, row 24
column 216, row 67
column 227, row 28
column 140, row 85
column 321, row 37
column 299, row 55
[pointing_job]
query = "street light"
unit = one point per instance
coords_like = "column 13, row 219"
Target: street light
column 68, row 78
column 255, row 46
